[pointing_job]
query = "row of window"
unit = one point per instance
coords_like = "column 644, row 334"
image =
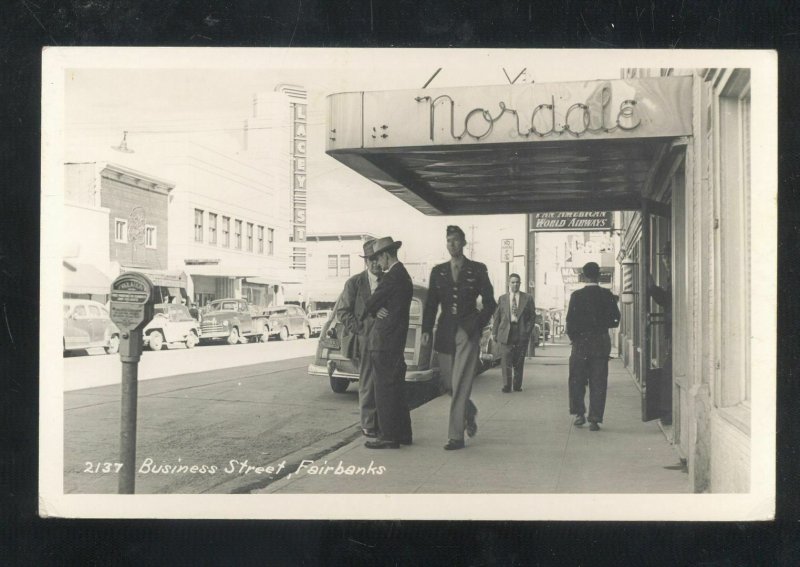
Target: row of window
column 248, row 234
column 122, row 234
column 338, row 265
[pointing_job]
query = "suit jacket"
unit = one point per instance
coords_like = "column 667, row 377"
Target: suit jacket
column 473, row 280
column 526, row 317
column 394, row 293
column 349, row 310
column 592, row 311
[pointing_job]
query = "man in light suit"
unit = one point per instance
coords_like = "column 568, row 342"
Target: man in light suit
column 349, row 309
column 386, row 344
column 512, row 328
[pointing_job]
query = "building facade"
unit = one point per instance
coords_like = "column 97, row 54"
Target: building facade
column 332, row 259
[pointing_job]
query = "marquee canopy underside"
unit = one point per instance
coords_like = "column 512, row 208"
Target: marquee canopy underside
column 577, row 175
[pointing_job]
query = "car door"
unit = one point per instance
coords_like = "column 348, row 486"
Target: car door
column 96, row 324
column 82, row 322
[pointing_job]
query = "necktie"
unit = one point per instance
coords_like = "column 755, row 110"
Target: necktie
column 514, row 306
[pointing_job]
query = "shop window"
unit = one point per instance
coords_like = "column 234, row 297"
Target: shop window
column 198, row 225
column 212, row 228
column 120, row 231
column 226, row 232
column 150, row 236
column 733, row 239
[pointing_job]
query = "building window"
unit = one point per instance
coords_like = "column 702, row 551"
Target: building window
column 271, row 241
column 333, row 266
column 150, row 236
column 249, row 237
column 238, row 234
column 212, row 228
column 198, row 225
column 226, row 232
column 120, row 230
column 260, row 239
column 344, row 266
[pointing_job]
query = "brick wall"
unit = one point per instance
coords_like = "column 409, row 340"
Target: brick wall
column 139, row 206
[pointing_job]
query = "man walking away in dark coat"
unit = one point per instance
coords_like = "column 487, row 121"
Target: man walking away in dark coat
column 349, row 309
column 386, row 345
column 592, row 311
column 456, row 285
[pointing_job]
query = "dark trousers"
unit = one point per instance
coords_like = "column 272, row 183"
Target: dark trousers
column 390, row 395
column 512, row 359
column 587, row 368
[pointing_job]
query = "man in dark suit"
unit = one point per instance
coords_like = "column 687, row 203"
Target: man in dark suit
column 386, row 343
column 456, row 285
column 592, row 311
column 349, row 309
column 512, row 328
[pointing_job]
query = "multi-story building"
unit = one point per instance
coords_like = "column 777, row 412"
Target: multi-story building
column 115, row 220
column 332, row 259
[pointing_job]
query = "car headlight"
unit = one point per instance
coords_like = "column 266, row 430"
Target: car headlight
column 225, row 323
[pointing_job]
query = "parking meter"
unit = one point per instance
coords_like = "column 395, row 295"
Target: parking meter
column 131, row 308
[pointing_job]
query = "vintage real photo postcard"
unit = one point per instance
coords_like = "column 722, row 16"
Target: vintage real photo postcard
column 455, row 284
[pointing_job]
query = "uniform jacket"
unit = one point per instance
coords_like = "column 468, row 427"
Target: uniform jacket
column 349, row 310
column 473, row 280
column 394, row 292
column 526, row 316
column 592, row 311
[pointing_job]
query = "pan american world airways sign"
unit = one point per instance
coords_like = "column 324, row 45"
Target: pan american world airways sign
column 565, row 221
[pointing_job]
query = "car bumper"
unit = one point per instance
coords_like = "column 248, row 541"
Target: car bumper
column 411, row 375
column 214, row 334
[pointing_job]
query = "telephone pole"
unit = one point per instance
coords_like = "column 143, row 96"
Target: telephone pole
column 471, row 244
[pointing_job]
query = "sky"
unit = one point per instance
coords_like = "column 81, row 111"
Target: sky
column 162, row 90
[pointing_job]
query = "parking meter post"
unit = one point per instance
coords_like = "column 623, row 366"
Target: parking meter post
column 131, row 308
column 127, row 438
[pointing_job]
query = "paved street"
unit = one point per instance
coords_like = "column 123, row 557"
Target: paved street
column 225, row 422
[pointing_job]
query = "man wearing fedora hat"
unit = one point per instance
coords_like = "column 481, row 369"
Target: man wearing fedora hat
column 386, row 343
column 349, row 309
column 456, row 285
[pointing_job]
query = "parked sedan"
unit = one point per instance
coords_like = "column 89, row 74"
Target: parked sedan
column 335, row 350
column 286, row 321
column 317, row 320
column 88, row 325
column 172, row 323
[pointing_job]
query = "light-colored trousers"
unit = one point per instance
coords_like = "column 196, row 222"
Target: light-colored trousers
column 458, row 371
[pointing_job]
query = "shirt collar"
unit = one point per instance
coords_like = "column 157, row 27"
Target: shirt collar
column 372, row 277
column 591, row 283
column 392, row 266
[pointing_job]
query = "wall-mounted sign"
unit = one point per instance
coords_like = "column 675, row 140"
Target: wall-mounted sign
column 571, row 221
column 507, row 250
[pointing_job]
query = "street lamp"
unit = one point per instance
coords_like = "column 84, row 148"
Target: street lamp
column 123, row 145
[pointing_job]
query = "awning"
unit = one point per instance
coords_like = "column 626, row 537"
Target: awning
column 85, row 279
column 532, row 148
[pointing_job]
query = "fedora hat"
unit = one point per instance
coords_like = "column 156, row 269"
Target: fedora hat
column 368, row 248
column 385, row 243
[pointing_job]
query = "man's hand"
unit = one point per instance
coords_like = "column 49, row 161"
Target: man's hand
column 426, row 339
column 382, row 313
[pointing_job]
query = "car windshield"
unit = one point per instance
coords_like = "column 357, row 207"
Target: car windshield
column 225, row 306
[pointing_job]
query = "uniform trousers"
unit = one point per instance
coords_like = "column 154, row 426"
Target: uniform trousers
column 366, row 392
column 394, row 417
column 512, row 358
column 459, row 368
column 588, row 365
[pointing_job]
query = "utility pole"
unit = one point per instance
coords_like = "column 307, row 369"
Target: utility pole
column 471, row 241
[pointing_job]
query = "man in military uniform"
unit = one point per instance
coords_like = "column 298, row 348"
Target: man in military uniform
column 592, row 311
column 349, row 309
column 456, row 285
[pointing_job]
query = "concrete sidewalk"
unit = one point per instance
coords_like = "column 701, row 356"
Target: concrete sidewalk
column 526, row 443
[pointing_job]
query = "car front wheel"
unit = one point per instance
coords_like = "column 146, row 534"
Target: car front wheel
column 113, row 345
column 284, row 334
column 339, row 385
column 156, row 340
column 306, row 332
column 233, row 337
column 192, row 340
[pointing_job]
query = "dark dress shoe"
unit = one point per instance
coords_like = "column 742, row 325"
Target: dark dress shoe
column 506, row 389
column 382, row 444
column 369, row 433
column 593, row 426
column 580, row 420
column 452, row 445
